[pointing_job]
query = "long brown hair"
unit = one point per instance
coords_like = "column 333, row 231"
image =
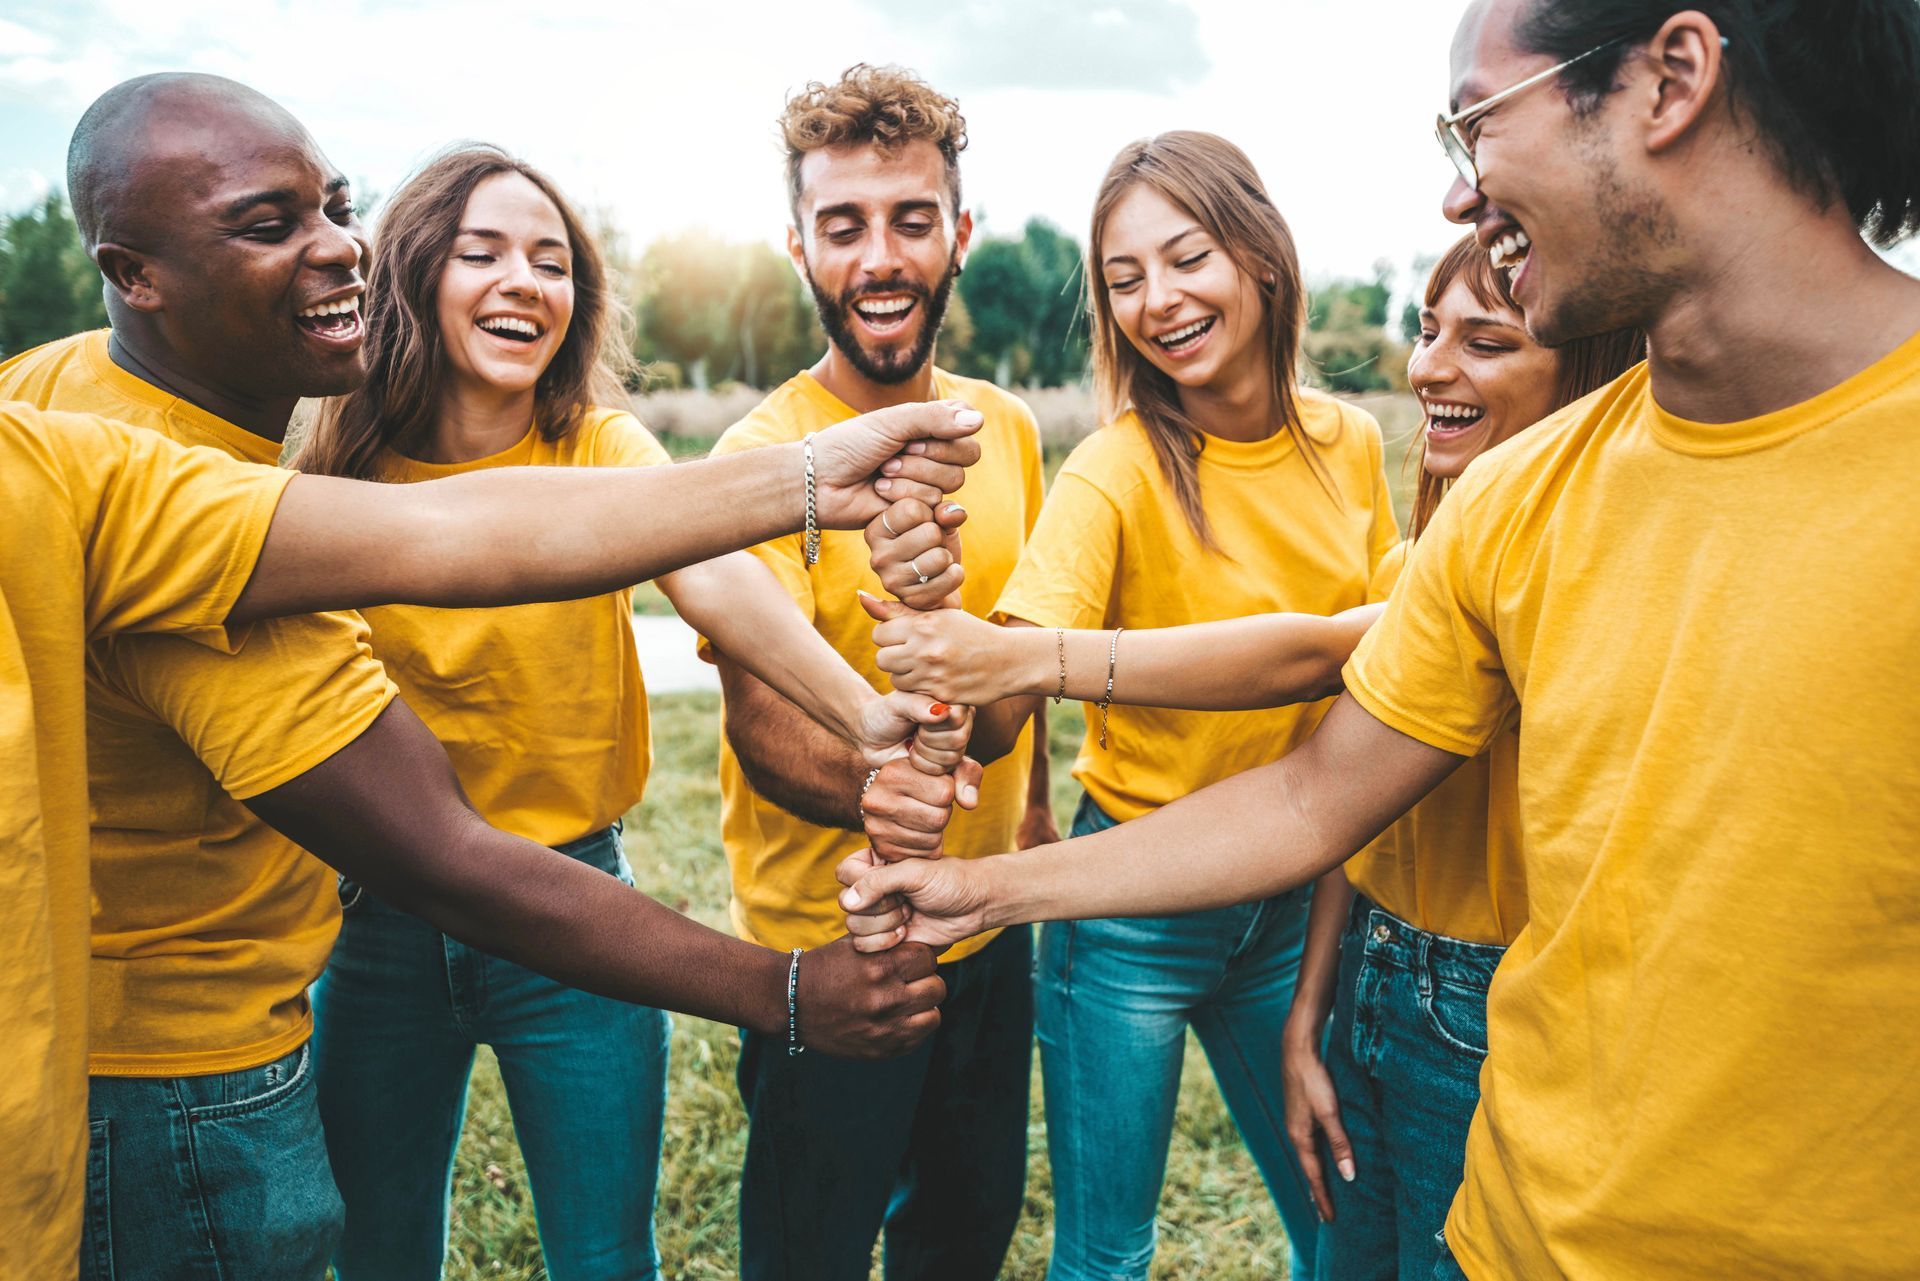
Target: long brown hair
column 1212, row 180
column 1582, row 366
column 399, row 404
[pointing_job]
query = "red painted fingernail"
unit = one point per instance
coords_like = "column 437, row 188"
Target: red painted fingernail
column 938, row 709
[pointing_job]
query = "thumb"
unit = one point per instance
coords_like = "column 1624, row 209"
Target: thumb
column 966, row 778
column 858, row 898
column 881, row 610
column 950, row 516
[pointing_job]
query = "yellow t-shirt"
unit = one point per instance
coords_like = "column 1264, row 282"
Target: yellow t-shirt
column 1703, row 1046
column 1451, row 865
column 108, row 529
column 208, row 925
column 541, row 707
column 1112, row 549
column 784, row 891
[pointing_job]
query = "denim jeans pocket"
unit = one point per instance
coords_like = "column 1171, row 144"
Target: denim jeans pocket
column 1457, row 1013
column 96, row 1248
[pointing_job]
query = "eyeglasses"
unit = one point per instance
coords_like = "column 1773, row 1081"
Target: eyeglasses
column 1449, row 128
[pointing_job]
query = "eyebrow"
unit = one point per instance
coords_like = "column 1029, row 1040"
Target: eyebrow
column 1471, row 322
column 488, row 233
column 849, row 209
column 278, row 196
column 1164, row 245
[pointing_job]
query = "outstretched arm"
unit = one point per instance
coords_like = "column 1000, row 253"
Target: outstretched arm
column 387, row 810
column 1245, row 838
column 1265, row 660
column 513, row 535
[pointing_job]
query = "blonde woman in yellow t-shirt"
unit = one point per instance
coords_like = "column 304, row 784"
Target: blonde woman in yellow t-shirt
column 489, row 315
column 1219, row 488
column 1440, row 894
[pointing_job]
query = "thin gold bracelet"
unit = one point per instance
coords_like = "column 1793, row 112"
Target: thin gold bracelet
column 1060, row 644
column 1113, row 658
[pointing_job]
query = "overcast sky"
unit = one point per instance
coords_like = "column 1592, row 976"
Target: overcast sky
column 660, row 115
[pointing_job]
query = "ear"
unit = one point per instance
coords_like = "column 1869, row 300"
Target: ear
column 962, row 236
column 797, row 255
column 1685, row 62
column 129, row 274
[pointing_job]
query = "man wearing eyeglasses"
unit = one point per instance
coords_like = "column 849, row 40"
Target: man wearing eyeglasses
column 1697, row 587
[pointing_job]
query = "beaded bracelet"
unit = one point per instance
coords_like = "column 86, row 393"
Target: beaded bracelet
column 793, row 1017
column 1060, row 647
column 1113, row 655
column 813, row 523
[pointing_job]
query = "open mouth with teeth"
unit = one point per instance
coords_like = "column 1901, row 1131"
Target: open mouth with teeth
column 1180, row 341
column 886, row 314
column 512, row 328
column 1445, row 418
column 1510, row 254
column 337, row 323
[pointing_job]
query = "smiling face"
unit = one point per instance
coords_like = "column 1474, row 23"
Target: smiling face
column 879, row 246
column 1561, row 208
column 245, row 247
column 1176, row 294
column 506, row 294
column 1479, row 376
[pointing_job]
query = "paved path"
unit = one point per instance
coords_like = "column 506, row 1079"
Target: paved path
column 668, row 662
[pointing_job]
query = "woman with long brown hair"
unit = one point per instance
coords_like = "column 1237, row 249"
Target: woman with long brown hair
column 489, row 324
column 1404, row 941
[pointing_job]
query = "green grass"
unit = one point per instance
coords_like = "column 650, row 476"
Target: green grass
column 1215, row 1217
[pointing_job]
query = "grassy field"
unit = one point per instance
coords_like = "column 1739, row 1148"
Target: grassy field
column 1216, row 1218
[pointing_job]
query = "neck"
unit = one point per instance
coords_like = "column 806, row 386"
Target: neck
column 1237, row 405
column 149, row 359
column 837, row 374
column 1783, row 309
column 477, row 422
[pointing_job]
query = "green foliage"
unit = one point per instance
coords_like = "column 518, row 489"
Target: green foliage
column 719, row 312
column 1347, row 344
column 1023, row 298
column 49, row 288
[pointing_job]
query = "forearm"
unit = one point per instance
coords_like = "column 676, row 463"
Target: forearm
column 738, row 605
column 492, row 538
column 790, row 759
column 1313, row 990
column 1040, row 777
column 1248, row 837
column 997, row 726
column 1264, row 660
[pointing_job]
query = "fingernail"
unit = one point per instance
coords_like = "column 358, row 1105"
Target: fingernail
column 891, row 467
column 969, row 417
column 882, row 486
column 970, row 794
column 938, row 709
column 916, row 447
column 951, row 508
column 1346, row 1170
column 862, row 594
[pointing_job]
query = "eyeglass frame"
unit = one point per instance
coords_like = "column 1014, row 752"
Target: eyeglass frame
column 1446, row 126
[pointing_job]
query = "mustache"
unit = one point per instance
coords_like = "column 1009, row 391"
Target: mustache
column 885, row 289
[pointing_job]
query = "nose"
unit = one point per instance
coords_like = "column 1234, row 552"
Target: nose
column 519, row 280
column 338, row 247
column 880, row 256
column 1431, row 366
column 1462, row 203
column 1163, row 294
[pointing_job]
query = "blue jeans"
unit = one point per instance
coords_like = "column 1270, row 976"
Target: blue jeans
column 1404, row 1047
column 398, row 1015
column 1114, row 1000
column 932, row 1145
column 208, row 1176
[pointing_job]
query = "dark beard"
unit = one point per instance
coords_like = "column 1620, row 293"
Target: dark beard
column 1618, row 290
column 892, row 367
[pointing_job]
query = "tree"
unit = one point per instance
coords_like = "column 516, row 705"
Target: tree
column 723, row 311
column 1347, row 344
column 1023, row 297
column 49, row 288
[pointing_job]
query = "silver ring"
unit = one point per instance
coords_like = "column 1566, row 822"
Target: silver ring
column 889, row 524
column 914, row 565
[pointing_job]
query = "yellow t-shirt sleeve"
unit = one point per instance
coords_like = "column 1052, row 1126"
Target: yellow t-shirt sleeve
column 1431, row 667
column 172, row 533
column 786, row 556
column 296, row 692
column 621, row 440
column 1385, row 534
column 1066, row 573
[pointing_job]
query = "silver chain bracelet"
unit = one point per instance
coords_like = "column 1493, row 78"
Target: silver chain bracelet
column 813, row 521
column 793, row 1018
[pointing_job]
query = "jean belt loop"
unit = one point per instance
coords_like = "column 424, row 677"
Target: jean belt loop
column 1423, row 961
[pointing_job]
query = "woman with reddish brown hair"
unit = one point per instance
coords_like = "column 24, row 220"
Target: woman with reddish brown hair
column 489, row 341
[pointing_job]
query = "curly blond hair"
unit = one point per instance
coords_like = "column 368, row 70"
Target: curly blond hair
column 885, row 106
